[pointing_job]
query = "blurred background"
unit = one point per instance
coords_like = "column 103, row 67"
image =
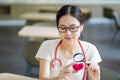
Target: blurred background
column 17, row 48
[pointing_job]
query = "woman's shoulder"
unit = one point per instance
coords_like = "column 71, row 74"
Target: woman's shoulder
column 87, row 44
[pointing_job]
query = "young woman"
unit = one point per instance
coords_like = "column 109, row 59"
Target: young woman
column 68, row 58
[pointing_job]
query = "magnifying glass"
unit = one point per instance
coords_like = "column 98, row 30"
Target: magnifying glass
column 78, row 58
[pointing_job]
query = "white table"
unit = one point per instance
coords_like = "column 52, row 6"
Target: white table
column 10, row 76
column 39, row 32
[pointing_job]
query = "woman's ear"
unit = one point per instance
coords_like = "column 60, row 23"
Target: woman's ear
column 81, row 27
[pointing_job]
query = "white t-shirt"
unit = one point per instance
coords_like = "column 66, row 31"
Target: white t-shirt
column 47, row 51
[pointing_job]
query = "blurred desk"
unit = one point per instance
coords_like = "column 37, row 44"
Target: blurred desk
column 37, row 17
column 9, row 76
column 35, row 36
column 39, row 32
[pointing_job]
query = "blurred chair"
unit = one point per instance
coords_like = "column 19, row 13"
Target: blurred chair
column 108, row 74
column 117, row 24
column 49, row 9
column 86, row 15
column 31, row 50
column 109, row 13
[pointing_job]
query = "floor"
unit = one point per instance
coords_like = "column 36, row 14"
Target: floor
column 12, row 51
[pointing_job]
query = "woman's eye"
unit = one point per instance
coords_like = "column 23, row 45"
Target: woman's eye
column 62, row 28
column 73, row 27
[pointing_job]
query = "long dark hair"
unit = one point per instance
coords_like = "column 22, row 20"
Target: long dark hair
column 72, row 10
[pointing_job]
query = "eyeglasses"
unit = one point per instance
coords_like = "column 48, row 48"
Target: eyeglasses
column 63, row 29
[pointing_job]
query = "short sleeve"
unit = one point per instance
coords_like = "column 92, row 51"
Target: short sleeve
column 93, row 54
column 44, row 51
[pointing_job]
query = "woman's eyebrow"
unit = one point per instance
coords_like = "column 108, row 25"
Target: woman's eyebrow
column 62, row 25
column 72, row 24
column 66, row 25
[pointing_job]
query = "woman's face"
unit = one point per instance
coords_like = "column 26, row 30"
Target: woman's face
column 69, row 28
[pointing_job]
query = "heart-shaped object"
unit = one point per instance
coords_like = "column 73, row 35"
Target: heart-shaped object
column 77, row 66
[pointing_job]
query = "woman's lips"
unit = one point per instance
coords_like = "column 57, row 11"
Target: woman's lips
column 68, row 38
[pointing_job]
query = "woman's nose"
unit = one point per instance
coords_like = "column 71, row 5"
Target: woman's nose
column 68, row 31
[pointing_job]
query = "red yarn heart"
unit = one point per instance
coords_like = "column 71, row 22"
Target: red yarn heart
column 78, row 67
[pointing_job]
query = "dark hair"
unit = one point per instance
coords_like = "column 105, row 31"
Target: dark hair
column 72, row 10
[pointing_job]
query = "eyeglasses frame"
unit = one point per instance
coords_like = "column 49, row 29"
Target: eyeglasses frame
column 69, row 29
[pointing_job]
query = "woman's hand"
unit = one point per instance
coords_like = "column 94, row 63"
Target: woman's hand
column 93, row 71
column 65, row 72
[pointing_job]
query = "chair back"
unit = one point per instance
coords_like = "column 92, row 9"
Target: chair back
column 32, row 48
column 108, row 12
column 108, row 74
column 117, row 20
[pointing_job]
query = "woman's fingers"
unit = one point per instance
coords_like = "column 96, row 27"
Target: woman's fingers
column 65, row 71
column 68, row 66
column 92, row 66
column 93, row 71
column 63, row 75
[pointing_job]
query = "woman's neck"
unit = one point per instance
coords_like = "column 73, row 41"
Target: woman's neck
column 71, row 48
column 68, row 50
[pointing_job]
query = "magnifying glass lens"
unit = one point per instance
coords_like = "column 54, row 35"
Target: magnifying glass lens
column 78, row 57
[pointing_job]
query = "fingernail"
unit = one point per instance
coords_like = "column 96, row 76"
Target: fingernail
column 67, row 77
